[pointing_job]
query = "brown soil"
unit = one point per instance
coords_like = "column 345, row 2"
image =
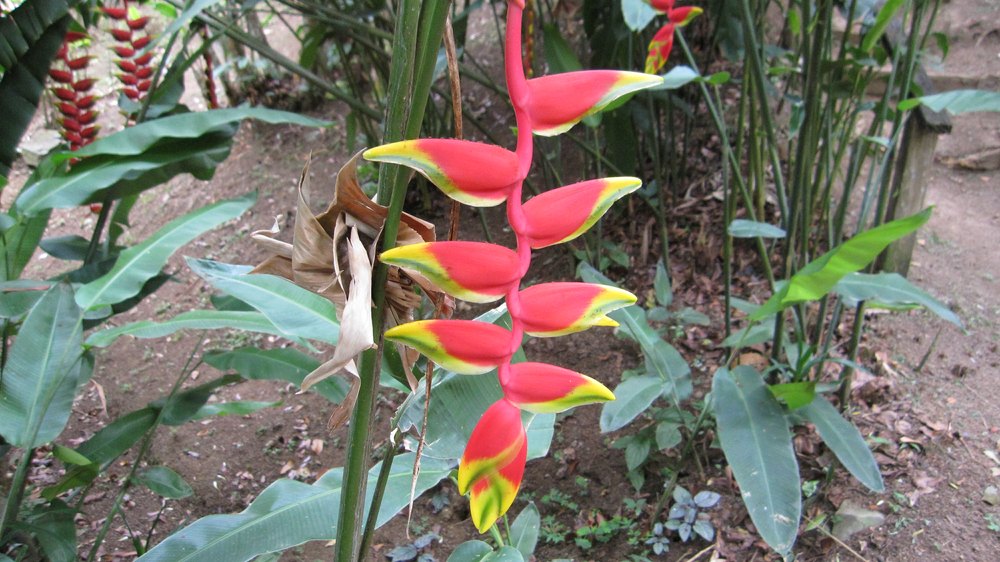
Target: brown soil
column 934, row 425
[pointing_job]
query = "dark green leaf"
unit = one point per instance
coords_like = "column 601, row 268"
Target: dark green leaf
column 184, row 406
column 30, row 36
column 661, row 285
column 846, row 442
column 293, row 310
column 284, row 364
column 470, row 551
column 164, row 482
column 558, row 54
column 52, row 524
column 43, row 370
column 636, row 453
column 144, row 261
column 668, row 435
column 758, row 445
column 18, row 244
column 69, row 247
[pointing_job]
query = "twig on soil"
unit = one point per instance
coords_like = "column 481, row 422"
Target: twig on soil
column 701, row 553
column 842, row 543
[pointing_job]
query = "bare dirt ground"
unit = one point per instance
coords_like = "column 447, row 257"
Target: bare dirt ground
column 936, row 429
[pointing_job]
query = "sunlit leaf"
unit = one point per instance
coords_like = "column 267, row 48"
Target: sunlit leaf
column 846, row 442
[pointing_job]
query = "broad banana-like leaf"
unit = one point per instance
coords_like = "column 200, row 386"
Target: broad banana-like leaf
column 144, row 261
column 43, row 370
column 194, row 320
column 758, row 446
column 295, row 311
column 30, row 36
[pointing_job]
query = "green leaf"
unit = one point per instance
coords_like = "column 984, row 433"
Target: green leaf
column 109, row 443
column 661, row 285
column 846, row 442
column 718, row 79
column 53, row 526
column 524, row 531
column 285, row 364
column 293, row 310
column 661, row 358
column 505, row 554
column 677, row 77
column 194, row 320
column 668, row 436
column 182, row 21
column 164, row 482
column 184, row 406
column 891, row 289
column 820, row 276
column 43, row 370
column 137, row 139
column 30, row 36
column 962, row 101
column 741, row 228
column 288, row 513
column 558, row 54
column 636, row 452
column 69, row 456
column 117, row 176
column 18, row 244
column 144, row 261
column 69, row 247
column 632, row 397
column 637, row 15
column 794, row 394
column 758, row 446
column 882, row 22
column 235, row 408
column 470, row 551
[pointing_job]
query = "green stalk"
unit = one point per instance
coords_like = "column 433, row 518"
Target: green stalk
column 847, row 375
column 408, row 91
column 16, row 491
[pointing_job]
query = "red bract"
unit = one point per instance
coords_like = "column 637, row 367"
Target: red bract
column 67, row 71
column 479, row 174
column 132, row 36
column 663, row 41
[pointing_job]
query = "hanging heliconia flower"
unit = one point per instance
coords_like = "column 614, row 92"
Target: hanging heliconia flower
column 71, row 87
column 208, row 84
column 129, row 31
column 663, row 41
column 484, row 175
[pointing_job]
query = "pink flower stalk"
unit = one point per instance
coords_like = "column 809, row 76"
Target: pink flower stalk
column 663, row 41
column 483, row 175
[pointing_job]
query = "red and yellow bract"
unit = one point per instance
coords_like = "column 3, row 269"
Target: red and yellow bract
column 477, row 174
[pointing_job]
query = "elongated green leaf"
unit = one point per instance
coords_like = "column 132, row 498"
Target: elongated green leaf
column 891, row 289
column 962, row 101
column 637, row 14
column 632, row 398
column 558, row 54
column 18, row 243
column 741, row 228
column 235, row 408
column 144, row 261
column 109, row 443
column 164, row 482
column 43, row 370
column 91, row 179
column 69, row 247
column 195, row 320
column 846, row 442
column 30, row 36
column 135, row 140
column 524, row 531
column 181, row 21
column 470, row 551
column 184, row 406
column 882, row 21
column 661, row 358
column 820, row 276
column 289, row 513
column 285, row 364
column 758, row 445
column 293, row 310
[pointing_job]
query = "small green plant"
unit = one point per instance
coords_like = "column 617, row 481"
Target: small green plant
column 552, row 531
column 992, row 523
column 688, row 515
column 658, row 542
column 601, row 530
column 560, row 499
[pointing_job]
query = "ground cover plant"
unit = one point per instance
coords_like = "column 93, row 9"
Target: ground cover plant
column 377, row 283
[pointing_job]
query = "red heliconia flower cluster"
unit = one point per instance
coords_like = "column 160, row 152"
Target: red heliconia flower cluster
column 208, row 85
column 663, row 41
column 71, row 88
column 483, row 175
column 131, row 35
